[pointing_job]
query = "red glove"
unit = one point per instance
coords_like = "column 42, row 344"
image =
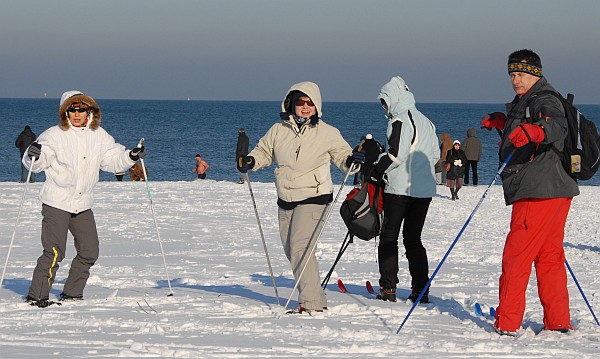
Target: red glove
column 494, row 120
column 526, row 133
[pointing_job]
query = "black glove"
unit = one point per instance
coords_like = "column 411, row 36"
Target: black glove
column 375, row 178
column 356, row 157
column 34, row 151
column 245, row 163
column 137, row 153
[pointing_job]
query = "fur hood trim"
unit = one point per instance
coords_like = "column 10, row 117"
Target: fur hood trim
column 71, row 97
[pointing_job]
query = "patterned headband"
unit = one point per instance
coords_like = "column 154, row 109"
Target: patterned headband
column 525, row 67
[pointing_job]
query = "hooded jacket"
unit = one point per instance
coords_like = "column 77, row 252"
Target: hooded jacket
column 26, row 137
column 472, row 146
column 446, row 144
column 536, row 171
column 302, row 153
column 71, row 157
column 413, row 147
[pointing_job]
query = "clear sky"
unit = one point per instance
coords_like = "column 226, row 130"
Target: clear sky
column 447, row 50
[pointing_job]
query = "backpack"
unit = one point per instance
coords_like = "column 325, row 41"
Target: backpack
column 581, row 154
column 362, row 211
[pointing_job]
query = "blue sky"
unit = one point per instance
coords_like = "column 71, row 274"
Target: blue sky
column 448, row 51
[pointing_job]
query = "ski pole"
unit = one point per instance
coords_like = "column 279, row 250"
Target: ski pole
column 454, row 242
column 140, row 144
column 328, row 212
column 262, row 236
column 581, row 291
column 343, row 248
column 17, row 222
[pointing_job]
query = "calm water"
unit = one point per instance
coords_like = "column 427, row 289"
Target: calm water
column 175, row 131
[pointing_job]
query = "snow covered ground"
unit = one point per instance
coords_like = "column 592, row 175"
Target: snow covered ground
column 224, row 303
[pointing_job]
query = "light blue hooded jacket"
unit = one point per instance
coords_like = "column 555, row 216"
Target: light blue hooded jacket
column 412, row 144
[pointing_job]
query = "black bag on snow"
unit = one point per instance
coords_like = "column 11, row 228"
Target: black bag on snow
column 581, row 154
column 362, row 211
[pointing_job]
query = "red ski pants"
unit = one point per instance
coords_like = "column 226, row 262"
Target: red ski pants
column 536, row 236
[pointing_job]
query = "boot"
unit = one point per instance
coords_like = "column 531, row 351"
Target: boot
column 456, row 193
column 453, row 193
column 387, row 294
column 416, row 293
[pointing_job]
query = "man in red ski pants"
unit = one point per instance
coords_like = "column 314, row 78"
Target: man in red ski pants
column 540, row 191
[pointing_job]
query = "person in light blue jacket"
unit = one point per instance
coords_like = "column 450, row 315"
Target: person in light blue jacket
column 408, row 170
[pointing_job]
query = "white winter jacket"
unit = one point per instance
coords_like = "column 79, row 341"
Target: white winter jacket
column 71, row 159
column 411, row 171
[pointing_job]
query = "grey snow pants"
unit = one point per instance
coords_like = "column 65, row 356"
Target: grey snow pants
column 299, row 228
column 55, row 224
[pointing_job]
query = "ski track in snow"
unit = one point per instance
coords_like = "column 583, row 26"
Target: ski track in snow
column 224, row 303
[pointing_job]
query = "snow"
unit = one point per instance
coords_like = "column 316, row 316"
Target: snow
column 224, row 304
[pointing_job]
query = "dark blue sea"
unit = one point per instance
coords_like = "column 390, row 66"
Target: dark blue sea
column 174, row 131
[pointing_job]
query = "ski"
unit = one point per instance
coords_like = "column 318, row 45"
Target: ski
column 477, row 309
column 341, row 286
column 147, row 308
column 299, row 311
column 42, row 303
column 370, row 288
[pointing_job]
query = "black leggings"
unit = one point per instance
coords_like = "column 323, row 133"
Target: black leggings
column 413, row 212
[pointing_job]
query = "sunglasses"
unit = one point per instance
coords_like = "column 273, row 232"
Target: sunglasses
column 77, row 108
column 300, row 103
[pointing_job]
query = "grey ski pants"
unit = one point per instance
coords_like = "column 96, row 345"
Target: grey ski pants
column 55, row 224
column 299, row 228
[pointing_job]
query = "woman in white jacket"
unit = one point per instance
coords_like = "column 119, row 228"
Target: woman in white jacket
column 304, row 147
column 71, row 154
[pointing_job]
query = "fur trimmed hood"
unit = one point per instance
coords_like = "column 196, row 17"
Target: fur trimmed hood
column 71, row 97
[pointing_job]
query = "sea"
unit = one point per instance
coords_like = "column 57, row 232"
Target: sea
column 175, row 131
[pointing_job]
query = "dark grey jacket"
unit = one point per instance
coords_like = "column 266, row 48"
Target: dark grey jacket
column 26, row 137
column 536, row 171
column 472, row 146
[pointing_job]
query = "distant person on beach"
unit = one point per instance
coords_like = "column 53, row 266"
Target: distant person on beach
column 25, row 138
column 71, row 154
column 201, row 167
column 303, row 146
column 136, row 172
column 242, row 145
column 473, row 149
column 540, row 192
column 445, row 146
column 455, row 168
column 408, row 166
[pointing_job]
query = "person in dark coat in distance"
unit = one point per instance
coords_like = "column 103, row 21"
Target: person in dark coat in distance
column 455, row 168
column 540, row 191
column 473, row 149
column 26, row 138
column 445, row 145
